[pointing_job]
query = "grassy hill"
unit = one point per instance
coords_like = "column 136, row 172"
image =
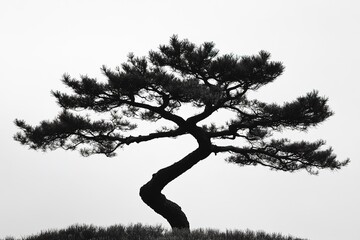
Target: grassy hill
column 140, row 232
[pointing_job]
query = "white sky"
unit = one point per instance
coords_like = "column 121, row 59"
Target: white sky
column 318, row 42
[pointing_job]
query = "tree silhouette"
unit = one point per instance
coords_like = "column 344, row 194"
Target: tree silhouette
column 157, row 87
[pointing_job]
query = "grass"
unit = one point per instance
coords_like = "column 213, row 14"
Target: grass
column 141, row 232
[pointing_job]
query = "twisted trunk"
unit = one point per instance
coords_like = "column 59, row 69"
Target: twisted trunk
column 151, row 191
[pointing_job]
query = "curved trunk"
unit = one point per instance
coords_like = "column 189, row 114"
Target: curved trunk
column 151, row 192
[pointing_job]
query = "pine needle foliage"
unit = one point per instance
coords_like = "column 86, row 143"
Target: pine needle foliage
column 157, row 86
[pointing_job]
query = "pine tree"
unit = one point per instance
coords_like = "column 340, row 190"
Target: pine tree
column 157, row 87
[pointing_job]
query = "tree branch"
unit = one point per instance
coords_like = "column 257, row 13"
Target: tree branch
column 284, row 155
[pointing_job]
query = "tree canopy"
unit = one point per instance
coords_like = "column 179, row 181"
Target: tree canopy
column 183, row 74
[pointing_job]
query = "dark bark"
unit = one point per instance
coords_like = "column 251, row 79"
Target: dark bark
column 151, row 191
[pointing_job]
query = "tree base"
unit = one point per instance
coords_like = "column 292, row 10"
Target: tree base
column 163, row 206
